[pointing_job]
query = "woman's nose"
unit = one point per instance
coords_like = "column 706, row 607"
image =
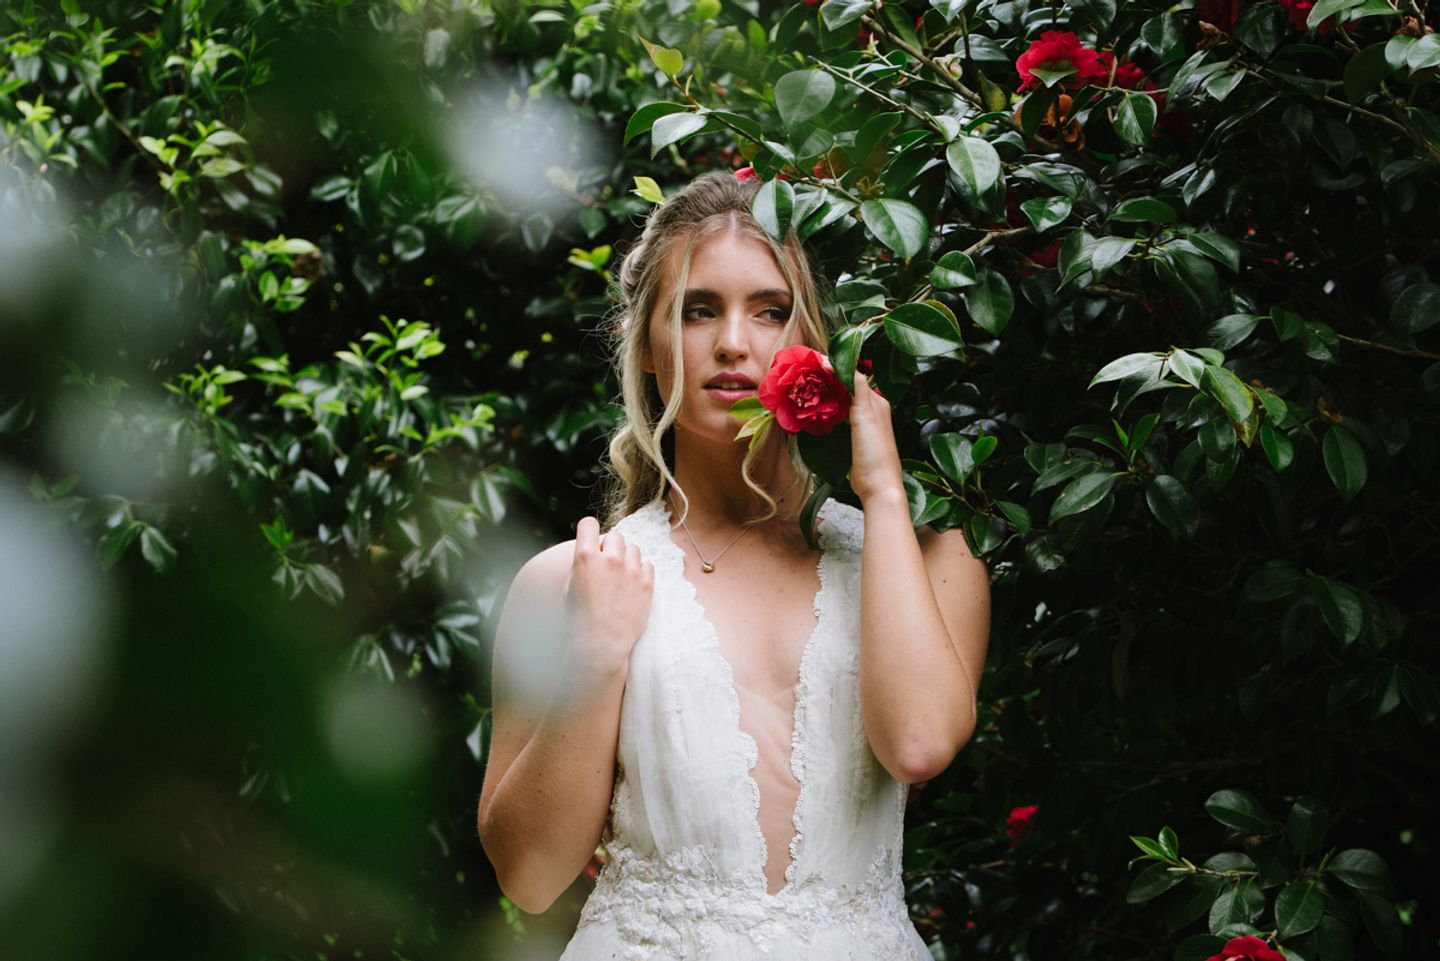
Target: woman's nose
column 732, row 338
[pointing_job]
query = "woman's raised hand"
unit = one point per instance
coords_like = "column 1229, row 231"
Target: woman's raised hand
column 608, row 600
column 874, row 458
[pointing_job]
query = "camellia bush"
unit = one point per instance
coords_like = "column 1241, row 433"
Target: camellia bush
column 317, row 291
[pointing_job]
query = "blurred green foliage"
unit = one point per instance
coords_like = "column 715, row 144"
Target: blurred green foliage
column 302, row 329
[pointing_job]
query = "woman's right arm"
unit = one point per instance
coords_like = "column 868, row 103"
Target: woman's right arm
column 562, row 651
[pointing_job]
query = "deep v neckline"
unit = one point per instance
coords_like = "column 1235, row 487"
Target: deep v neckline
column 797, row 734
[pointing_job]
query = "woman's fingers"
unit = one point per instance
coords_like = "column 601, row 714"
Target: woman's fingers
column 587, row 535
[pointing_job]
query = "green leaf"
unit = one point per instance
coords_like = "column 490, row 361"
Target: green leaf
column 1380, row 917
column 990, row 302
column 1240, row 810
column 1081, row 494
column 1152, row 882
column 644, row 118
column 156, row 549
column 1218, row 248
column 1325, row 9
column 1135, row 118
column 747, row 408
column 1365, row 71
column 1172, row 505
column 1018, row 516
column 1341, row 609
column 647, row 189
column 1107, row 252
column 117, row 540
column 922, row 331
column 811, row 510
column 898, row 224
column 1234, row 397
column 1360, row 869
column 840, row 13
column 845, row 347
column 1231, row 330
column 1239, row 904
column 953, row 269
column 1278, row 448
column 1274, row 581
column 953, row 454
column 1424, row 53
column 1144, row 209
column 801, row 94
column 977, row 166
column 1344, row 461
column 1417, row 308
column 1047, row 212
column 1306, row 826
column 1128, row 366
column 773, row 206
column 673, row 128
column 1298, row 909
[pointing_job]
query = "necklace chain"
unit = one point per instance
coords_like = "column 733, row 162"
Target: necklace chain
column 708, row 565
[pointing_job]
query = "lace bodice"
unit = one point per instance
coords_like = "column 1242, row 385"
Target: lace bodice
column 685, row 876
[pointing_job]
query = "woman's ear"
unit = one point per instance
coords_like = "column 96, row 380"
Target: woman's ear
column 647, row 362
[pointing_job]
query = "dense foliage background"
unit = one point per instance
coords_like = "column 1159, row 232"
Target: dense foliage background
column 302, row 353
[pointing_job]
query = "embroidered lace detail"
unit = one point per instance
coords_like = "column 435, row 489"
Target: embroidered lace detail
column 681, row 902
column 843, row 528
column 673, row 556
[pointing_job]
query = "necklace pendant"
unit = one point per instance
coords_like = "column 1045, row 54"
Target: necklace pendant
column 707, row 567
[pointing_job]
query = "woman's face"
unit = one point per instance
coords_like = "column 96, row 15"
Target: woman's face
column 735, row 308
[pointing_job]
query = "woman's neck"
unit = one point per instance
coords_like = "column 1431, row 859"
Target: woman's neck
column 710, row 475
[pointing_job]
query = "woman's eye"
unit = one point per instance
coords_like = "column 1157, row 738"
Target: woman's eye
column 777, row 314
column 696, row 311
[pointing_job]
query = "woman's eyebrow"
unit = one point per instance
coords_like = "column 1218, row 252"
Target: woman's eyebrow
column 768, row 293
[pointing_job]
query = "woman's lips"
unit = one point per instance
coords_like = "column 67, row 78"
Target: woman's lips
column 730, row 394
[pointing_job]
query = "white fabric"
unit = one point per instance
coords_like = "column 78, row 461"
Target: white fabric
column 685, row 877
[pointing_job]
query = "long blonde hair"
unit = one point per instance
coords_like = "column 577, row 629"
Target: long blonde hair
column 641, row 453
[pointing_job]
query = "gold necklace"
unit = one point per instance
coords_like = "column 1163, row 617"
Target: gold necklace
column 708, row 566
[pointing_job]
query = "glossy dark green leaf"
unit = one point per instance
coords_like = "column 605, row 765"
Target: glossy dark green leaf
column 845, row 348
column 898, row 224
column 644, row 118
column 841, row 13
column 1306, row 826
column 1344, row 461
column 1152, row 882
column 1172, row 505
column 1240, row 810
column 1381, row 920
column 773, row 207
column 1298, row 909
column 1231, row 330
column 922, row 331
column 953, row 269
column 1341, row 608
column 673, row 128
column 1144, row 209
column 1082, row 494
column 1416, row 309
column 1360, row 869
column 801, row 94
column 990, row 302
column 953, row 454
column 1278, row 448
column 1135, row 118
column 1047, row 212
column 977, row 167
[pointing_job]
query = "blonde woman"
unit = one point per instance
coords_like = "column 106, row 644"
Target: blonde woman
column 736, row 716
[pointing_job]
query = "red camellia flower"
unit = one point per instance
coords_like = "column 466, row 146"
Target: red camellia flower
column 746, row 173
column 1057, row 50
column 1299, row 11
column 1248, row 948
column 1127, row 74
column 1222, row 14
column 803, row 392
column 1017, row 825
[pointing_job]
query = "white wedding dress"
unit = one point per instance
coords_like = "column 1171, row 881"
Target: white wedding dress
column 685, row 875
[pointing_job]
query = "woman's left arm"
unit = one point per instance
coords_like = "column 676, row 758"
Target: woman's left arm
column 924, row 613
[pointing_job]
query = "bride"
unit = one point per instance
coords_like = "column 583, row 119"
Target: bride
column 738, row 717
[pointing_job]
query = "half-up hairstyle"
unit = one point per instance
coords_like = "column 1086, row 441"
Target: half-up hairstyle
column 641, row 455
